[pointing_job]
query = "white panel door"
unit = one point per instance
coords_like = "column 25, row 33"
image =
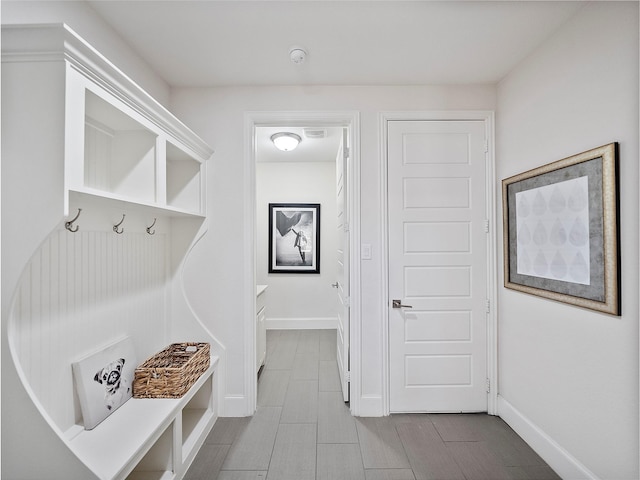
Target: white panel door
column 342, row 256
column 437, row 266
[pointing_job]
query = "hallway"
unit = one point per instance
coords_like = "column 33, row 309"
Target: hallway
column 302, row 430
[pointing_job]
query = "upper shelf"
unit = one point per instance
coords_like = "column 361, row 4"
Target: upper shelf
column 120, row 143
column 46, row 42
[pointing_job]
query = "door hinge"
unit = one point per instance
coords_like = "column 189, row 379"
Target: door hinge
column 486, row 226
column 347, row 302
column 486, row 146
column 347, row 376
column 346, row 153
column 346, row 226
column 488, row 386
column 488, row 306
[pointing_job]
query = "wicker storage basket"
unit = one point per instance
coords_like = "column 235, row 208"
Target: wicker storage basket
column 171, row 372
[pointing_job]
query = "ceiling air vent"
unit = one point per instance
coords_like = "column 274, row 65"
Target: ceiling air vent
column 315, row 132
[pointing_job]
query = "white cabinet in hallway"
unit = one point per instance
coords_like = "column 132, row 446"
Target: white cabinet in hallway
column 261, row 329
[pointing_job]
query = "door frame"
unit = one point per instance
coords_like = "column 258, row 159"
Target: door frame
column 487, row 117
column 351, row 121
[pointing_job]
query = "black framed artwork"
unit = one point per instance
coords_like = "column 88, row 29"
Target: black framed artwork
column 294, row 238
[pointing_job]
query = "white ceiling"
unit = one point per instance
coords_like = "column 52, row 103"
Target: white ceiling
column 238, row 42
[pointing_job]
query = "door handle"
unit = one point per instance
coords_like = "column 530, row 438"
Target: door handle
column 398, row 304
column 335, row 285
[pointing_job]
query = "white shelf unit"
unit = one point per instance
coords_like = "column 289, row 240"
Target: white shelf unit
column 79, row 134
column 120, row 154
column 157, row 464
column 195, row 416
column 184, row 180
column 128, row 158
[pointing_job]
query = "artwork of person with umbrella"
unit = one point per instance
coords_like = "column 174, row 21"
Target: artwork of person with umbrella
column 296, row 228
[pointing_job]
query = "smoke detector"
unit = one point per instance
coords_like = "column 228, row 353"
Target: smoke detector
column 297, row 55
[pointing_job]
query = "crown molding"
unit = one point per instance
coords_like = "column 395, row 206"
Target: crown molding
column 58, row 43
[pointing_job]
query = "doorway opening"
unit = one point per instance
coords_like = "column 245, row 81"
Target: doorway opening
column 288, row 180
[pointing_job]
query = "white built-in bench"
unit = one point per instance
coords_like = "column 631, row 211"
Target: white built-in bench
column 150, row 438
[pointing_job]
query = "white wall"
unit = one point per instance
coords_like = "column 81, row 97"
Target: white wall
column 89, row 25
column 217, row 114
column 568, row 372
column 295, row 299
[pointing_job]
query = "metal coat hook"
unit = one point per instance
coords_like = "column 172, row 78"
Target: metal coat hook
column 151, row 226
column 115, row 227
column 69, row 224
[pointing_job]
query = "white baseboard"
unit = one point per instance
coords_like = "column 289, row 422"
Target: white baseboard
column 551, row 452
column 234, row 406
column 301, row 323
column 370, row 406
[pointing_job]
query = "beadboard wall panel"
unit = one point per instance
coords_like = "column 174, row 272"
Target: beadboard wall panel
column 80, row 292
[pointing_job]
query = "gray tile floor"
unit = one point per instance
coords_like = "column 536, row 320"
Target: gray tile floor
column 302, row 430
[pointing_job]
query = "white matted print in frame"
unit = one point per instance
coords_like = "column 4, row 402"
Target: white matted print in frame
column 561, row 230
column 104, row 381
column 553, row 231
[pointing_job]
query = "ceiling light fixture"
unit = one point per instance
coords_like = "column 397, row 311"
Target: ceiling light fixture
column 285, row 141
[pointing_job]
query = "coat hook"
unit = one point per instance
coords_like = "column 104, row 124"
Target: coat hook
column 115, row 227
column 69, row 225
column 151, row 226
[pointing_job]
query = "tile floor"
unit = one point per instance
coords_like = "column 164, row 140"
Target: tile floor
column 302, row 430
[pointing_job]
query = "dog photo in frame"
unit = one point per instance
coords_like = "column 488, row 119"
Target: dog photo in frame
column 104, row 381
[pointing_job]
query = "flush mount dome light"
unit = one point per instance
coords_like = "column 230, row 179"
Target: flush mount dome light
column 285, row 141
